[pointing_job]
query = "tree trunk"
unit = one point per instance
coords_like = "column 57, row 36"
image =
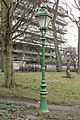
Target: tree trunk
column 6, row 19
column 58, row 58
column 8, row 68
column 2, row 59
column 78, row 50
column 68, row 74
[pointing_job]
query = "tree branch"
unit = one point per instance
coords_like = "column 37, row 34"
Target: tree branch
column 5, row 3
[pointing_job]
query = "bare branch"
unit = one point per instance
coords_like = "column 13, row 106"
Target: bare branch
column 76, row 3
column 5, row 3
column 21, row 19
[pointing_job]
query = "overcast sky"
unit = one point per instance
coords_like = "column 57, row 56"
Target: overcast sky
column 72, row 28
column 72, row 34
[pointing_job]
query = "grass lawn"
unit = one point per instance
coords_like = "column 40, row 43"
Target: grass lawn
column 61, row 90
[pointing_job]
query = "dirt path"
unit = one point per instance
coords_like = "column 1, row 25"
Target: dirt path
column 65, row 108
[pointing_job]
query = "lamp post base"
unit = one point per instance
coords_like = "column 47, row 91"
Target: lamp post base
column 43, row 105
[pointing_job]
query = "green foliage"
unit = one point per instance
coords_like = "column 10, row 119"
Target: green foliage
column 19, row 118
column 12, row 111
column 20, row 111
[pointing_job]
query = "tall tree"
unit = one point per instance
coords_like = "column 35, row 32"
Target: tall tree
column 79, row 47
column 58, row 58
column 73, row 18
column 6, row 38
column 20, row 15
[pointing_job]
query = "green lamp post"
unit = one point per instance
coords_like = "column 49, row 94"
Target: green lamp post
column 43, row 18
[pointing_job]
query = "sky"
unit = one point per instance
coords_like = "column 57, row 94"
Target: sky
column 72, row 34
column 72, row 28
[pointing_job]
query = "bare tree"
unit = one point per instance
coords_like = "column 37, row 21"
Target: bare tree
column 72, row 17
column 6, row 39
column 58, row 58
column 21, row 15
